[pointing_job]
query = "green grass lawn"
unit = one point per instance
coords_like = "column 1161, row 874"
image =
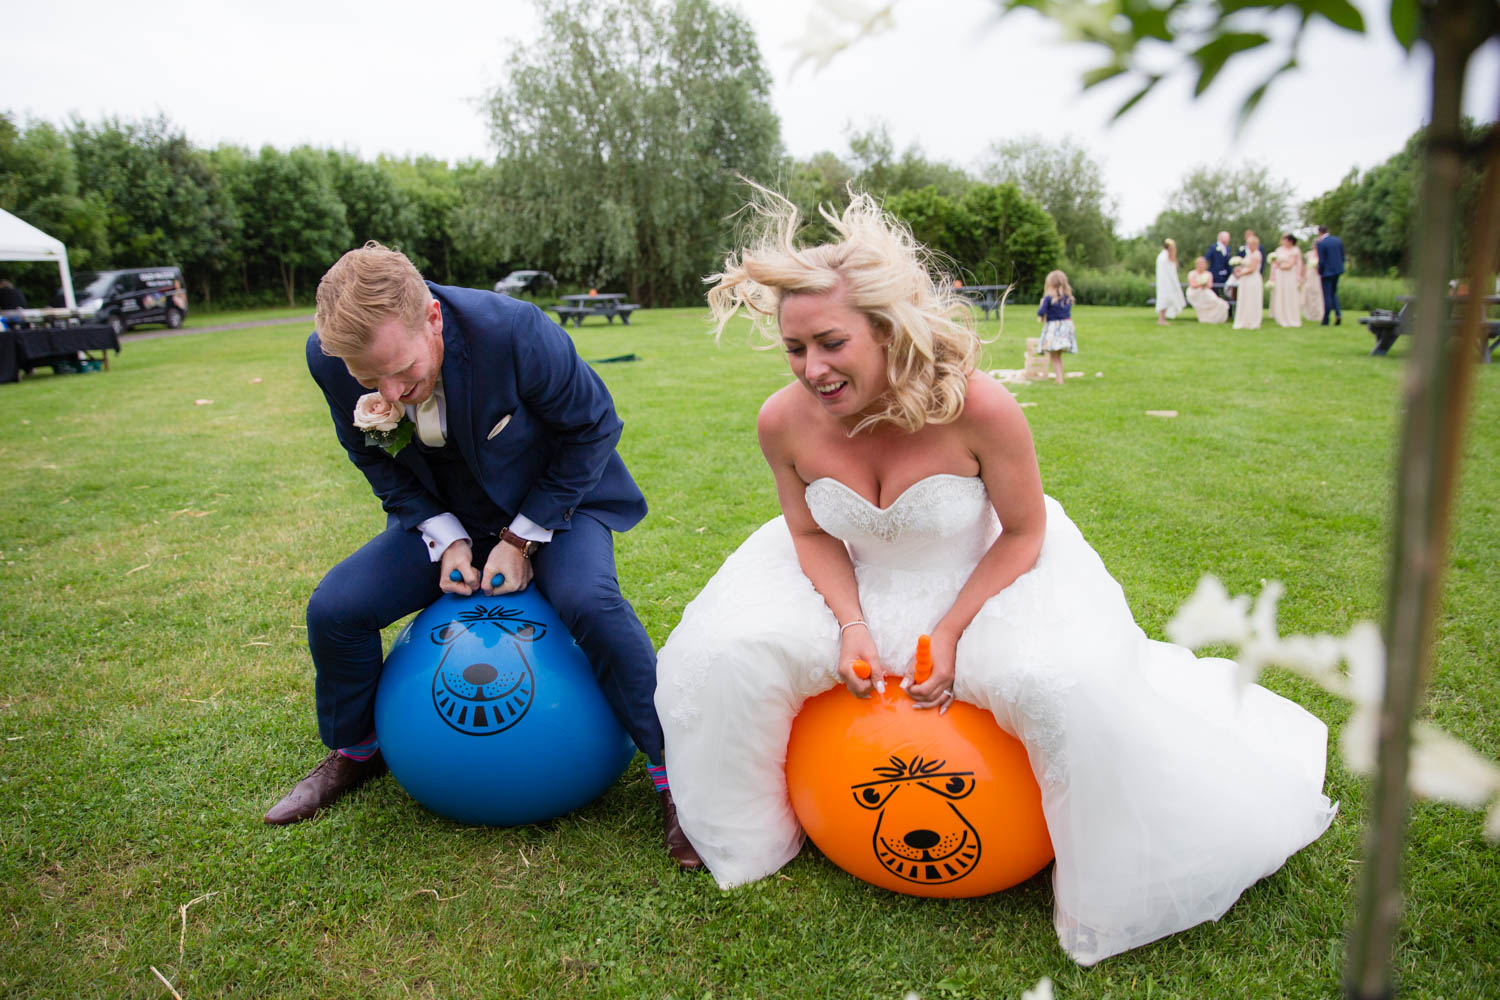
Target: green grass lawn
column 156, row 694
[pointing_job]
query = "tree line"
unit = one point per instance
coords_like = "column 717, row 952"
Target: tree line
column 624, row 133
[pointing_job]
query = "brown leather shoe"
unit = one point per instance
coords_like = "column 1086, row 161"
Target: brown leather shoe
column 330, row 781
column 678, row 846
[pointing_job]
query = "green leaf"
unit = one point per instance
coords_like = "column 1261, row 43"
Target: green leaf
column 1150, row 82
column 1099, row 74
column 1406, row 22
column 1340, row 12
column 1253, row 101
column 1212, row 56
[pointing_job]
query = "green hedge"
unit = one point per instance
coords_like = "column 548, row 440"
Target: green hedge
column 1115, row 287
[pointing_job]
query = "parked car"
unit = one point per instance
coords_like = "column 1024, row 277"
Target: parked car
column 133, row 296
column 533, row 282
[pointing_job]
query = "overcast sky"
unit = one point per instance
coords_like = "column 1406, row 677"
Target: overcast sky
column 382, row 76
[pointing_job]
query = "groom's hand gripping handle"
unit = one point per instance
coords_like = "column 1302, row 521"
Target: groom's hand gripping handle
column 456, row 572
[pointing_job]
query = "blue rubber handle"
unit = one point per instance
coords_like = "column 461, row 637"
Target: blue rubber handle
column 456, row 576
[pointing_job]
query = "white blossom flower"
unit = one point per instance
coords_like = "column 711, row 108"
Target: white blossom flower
column 1444, row 769
column 1042, row 990
column 1210, row 616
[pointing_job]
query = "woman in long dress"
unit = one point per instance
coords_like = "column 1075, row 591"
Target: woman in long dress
column 1312, row 289
column 1249, row 300
column 1286, row 282
column 1201, row 296
column 1169, row 300
column 896, row 465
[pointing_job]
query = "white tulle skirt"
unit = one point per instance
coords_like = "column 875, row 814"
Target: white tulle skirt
column 1166, row 792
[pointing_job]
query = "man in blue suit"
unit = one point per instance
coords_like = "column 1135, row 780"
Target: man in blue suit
column 510, row 478
column 1330, row 266
column 1218, row 259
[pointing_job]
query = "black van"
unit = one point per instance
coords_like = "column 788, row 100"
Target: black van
column 133, row 296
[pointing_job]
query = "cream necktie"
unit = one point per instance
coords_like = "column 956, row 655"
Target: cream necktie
column 430, row 418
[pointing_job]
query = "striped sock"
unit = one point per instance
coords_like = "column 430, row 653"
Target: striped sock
column 363, row 750
column 658, row 774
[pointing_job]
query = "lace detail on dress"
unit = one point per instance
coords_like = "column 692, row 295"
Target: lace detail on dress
column 941, row 508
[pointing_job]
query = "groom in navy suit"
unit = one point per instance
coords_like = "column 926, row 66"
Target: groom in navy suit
column 510, row 478
column 1330, row 266
column 1218, row 260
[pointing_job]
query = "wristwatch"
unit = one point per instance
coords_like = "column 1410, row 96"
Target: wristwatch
column 527, row 546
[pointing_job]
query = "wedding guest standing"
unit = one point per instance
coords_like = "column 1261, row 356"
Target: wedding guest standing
column 1286, row 282
column 1169, row 300
column 1200, row 294
column 1218, row 259
column 1247, row 311
column 1330, row 266
column 1312, row 288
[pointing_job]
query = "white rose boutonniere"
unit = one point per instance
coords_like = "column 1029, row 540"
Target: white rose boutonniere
column 385, row 424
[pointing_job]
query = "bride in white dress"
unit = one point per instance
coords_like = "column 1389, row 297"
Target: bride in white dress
column 896, row 466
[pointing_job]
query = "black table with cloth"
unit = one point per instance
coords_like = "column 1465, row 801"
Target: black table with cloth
column 32, row 347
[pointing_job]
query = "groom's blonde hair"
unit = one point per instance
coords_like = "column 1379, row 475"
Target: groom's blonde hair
column 364, row 289
column 925, row 326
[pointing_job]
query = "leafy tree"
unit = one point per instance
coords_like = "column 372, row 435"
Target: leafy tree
column 433, row 191
column 1069, row 184
column 39, row 184
column 1375, row 213
column 295, row 219
column 165, row 204
column 993, row 233
column 878, row 170
column 822, row 180
column 1013, row 241
column 621, row 128
column 375, row 207
column 1230, row 198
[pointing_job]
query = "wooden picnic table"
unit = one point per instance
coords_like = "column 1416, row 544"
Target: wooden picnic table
column 1386, row 325
column 987, row 297
column 606, row 304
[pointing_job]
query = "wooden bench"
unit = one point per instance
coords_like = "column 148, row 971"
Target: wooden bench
column 609, row 310
column 1387, row 326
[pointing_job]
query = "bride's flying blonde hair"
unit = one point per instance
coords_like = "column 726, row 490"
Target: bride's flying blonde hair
column 925, row 326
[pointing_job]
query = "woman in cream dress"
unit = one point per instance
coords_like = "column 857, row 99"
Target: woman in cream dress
column 1169, row 300
column 1312, row 289
column 1251, row 294
column 1286, row 283
column 1201, row 296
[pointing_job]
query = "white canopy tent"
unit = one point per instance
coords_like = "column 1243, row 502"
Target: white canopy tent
column 22, row 241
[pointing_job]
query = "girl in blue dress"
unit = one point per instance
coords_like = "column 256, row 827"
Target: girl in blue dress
column 1056, row 316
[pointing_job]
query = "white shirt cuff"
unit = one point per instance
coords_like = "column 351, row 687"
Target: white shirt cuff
column 530, row 530
column 440, row 532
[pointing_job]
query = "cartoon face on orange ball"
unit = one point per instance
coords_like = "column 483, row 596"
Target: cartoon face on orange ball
column 914, row 840
column 912, row 801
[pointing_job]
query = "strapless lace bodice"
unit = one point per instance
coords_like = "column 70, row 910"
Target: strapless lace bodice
column 940, row 521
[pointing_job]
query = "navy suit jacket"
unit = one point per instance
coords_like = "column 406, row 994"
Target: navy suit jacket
column 1330, row 255
column 502, row 358
column 1218, row 263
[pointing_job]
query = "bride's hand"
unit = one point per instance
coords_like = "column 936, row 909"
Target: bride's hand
column 858, row 645
column 937, row 690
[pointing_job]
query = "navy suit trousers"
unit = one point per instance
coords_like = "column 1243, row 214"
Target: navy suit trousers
column 1330, row 297
column 391, row 576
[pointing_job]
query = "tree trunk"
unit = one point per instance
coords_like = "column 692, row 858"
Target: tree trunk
column 1436, row 388
column 289, row 281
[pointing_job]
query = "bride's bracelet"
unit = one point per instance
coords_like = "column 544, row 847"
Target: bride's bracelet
column 857, row 621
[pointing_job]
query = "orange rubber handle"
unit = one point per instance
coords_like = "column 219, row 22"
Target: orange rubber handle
column 924, row 659
column 861, row 669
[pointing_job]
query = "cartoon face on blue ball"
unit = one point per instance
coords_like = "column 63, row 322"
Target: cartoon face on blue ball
column 483, row 684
